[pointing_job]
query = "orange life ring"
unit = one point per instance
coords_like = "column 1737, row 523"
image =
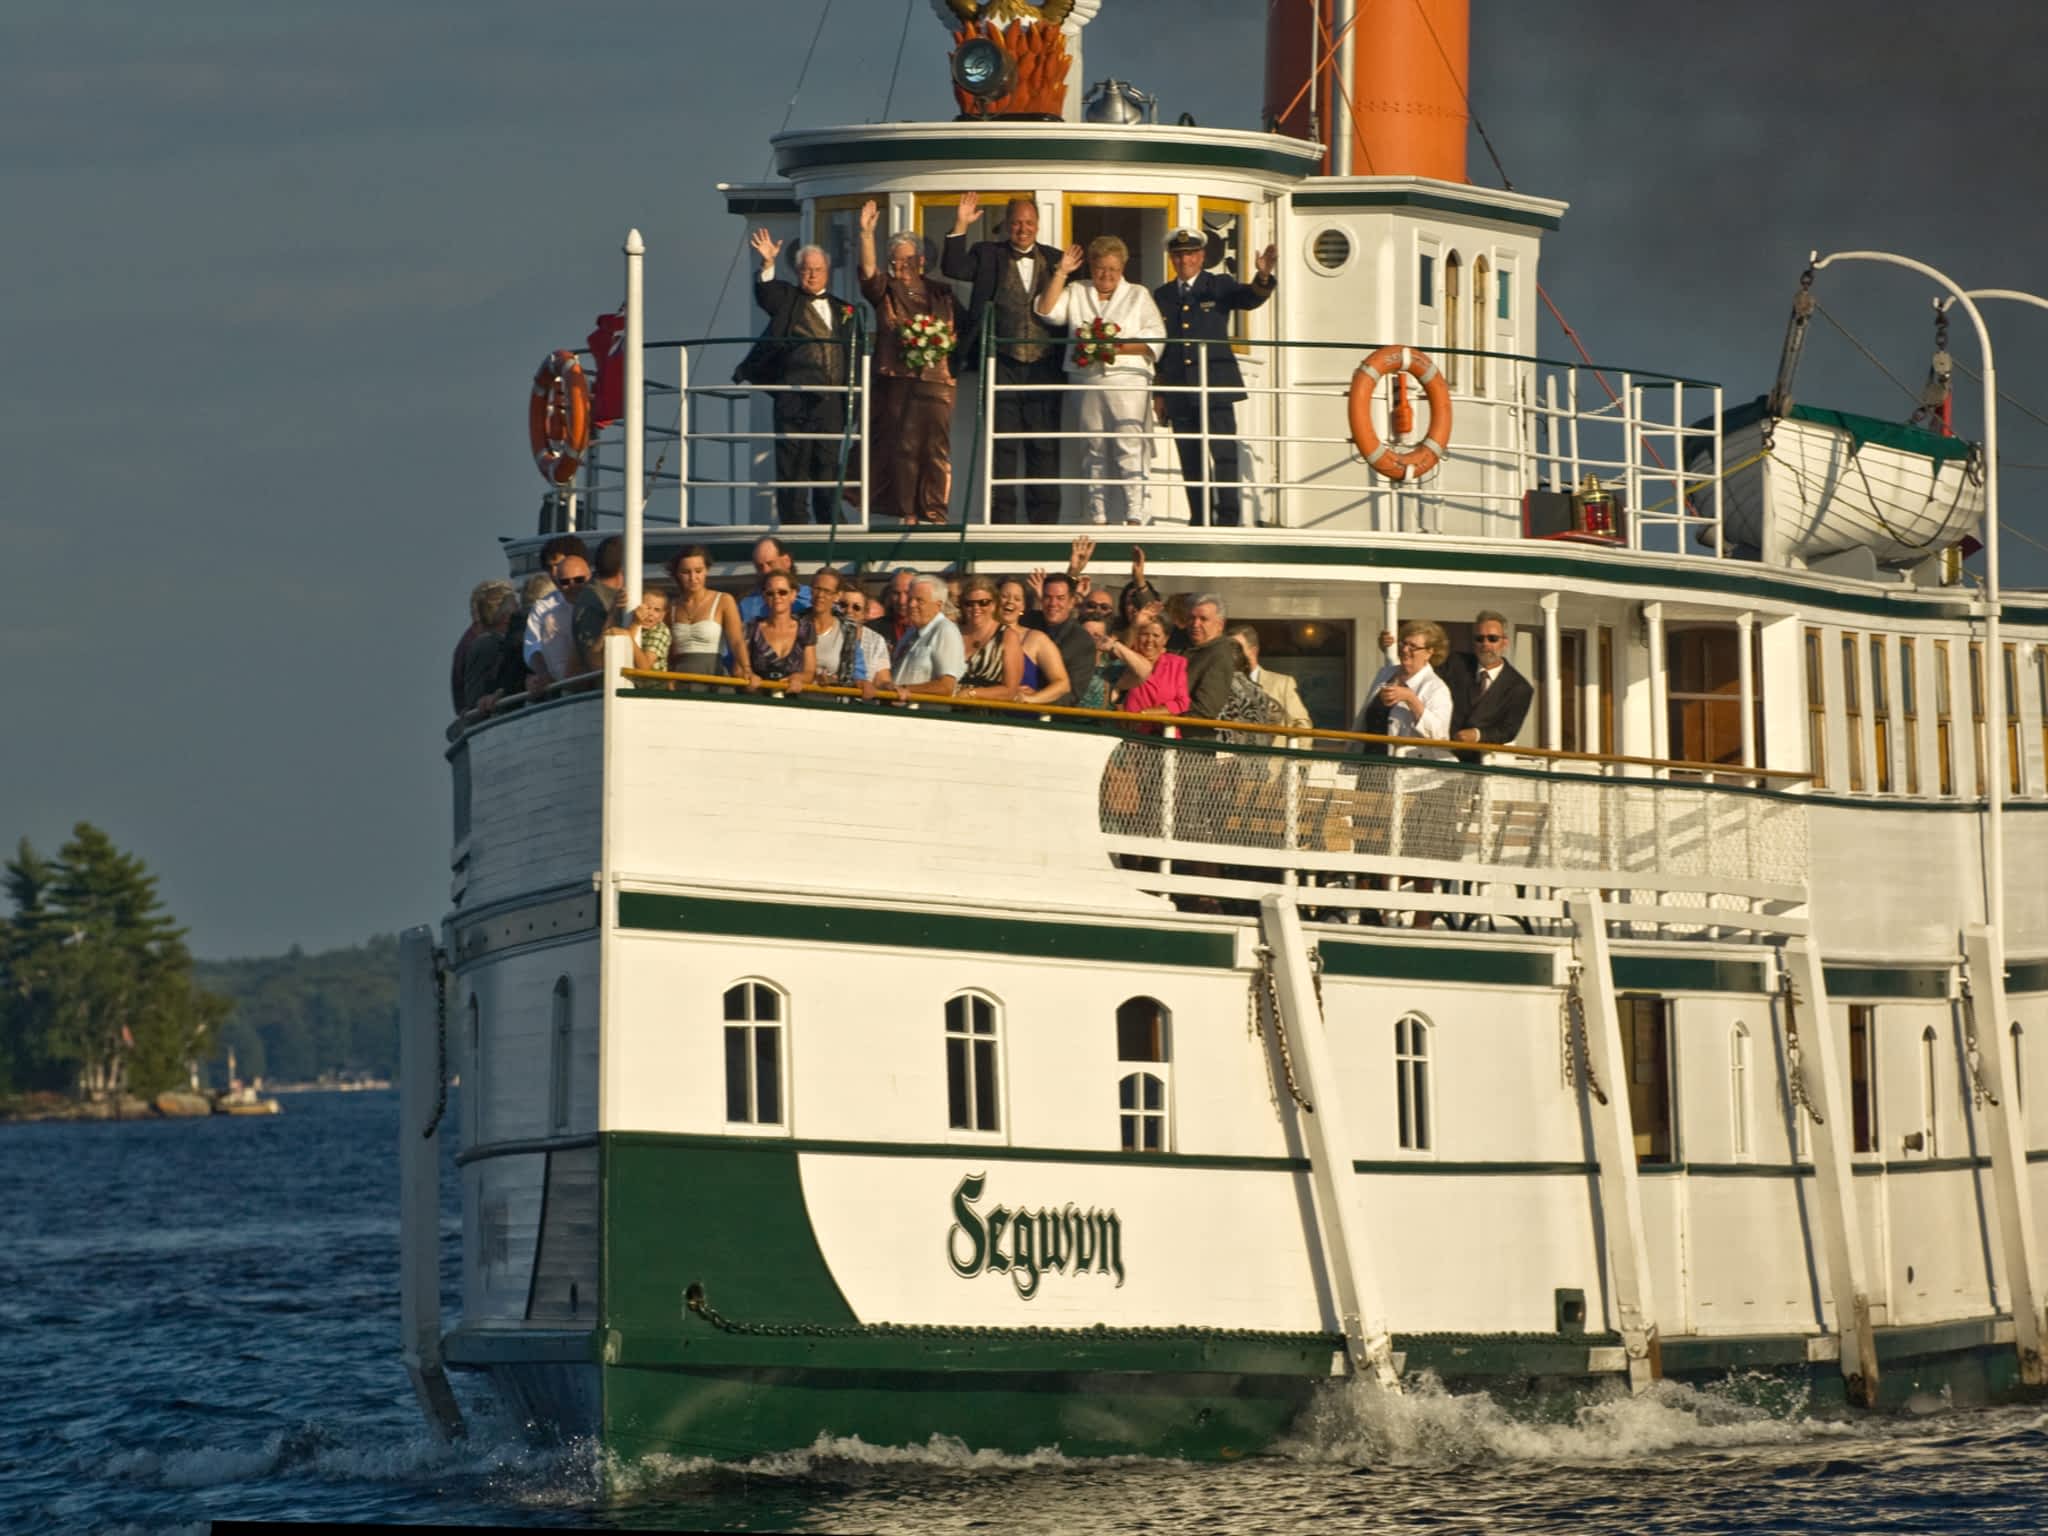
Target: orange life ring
column 1400, row 463
column 558, row 417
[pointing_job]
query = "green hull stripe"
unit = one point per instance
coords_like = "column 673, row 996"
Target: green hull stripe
column 1680, row 973
column 1110, row 148
column 853, row 924
column 1430, row 1166
column 1433, row 202
column 1885, row 981
column 966, row 1152
column 727, row 1147
column 1726, row 578
column 1432, row 962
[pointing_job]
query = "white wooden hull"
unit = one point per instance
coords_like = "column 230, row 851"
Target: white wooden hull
column 1821, row 490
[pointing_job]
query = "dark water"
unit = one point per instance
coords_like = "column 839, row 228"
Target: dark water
column 198, row 1321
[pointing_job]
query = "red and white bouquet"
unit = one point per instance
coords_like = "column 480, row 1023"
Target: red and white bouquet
column 1096, row 342
column 926, row 339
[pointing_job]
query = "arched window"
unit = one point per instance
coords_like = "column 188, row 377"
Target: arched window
column 1482, row 282
column 1454, row 316
column 1928, row 1093
column 973, row 1063
column 1738, row 1090
column 562, row 1040
column 2019, row 1065
column 755, row 1012
column 1411, row 1081
column 1144, row 1033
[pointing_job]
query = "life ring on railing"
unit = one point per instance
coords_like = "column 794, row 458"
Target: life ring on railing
column 558, row 417
column 1400, row 463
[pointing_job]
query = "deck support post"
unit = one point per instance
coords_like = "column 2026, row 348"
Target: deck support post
column 1340, row 1226
column 422, row 1101
column 1991, row 1053
column 1614, row 1143
column 1834, row 1175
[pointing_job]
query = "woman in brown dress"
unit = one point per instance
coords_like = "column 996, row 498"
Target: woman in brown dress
column 910, row 422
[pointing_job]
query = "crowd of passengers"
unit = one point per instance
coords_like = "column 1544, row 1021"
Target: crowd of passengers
column 1045, row 638
column 1042, row 323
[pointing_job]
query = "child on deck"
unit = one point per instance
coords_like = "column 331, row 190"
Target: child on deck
column 651, row 632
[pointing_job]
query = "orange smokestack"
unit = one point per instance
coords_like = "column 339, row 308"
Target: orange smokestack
column 1405, row 93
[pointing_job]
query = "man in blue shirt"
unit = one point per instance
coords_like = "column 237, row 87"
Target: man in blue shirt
column 772, row 555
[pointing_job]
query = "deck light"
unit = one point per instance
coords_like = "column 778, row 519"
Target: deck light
column 983, row 69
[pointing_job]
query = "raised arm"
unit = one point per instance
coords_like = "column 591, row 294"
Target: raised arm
column 869, row 214
column 956, row 256
column 1069, row 263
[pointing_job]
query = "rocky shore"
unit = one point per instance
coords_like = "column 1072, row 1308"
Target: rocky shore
column 175, row 1105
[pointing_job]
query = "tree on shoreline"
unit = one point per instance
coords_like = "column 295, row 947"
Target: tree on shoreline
column 96, row 987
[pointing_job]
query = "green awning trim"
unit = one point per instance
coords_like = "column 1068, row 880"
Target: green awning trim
column 1901, row 435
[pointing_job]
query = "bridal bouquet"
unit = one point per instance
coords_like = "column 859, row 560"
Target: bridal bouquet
column 1096, row 342
column 926, row 339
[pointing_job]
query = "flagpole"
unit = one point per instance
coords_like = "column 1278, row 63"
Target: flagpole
column 636, row 415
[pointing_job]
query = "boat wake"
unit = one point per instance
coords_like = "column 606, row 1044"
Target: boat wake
column 1356, row 1424
column 832, row 1459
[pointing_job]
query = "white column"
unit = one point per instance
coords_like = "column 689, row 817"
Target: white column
column 1553, row 675
column 1344, row 83
column 1984, row 948
column 1841, row 1219
column 1614, row 1141
column 1745, row 664
column 1660, row 722
column 636, row 414
column 1341, row 1229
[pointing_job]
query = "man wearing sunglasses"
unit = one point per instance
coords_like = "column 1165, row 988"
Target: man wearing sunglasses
column 850, row 655
column 1490, row 699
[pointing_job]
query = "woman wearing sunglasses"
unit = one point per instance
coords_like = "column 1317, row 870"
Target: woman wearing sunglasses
column 781, row 646
column 995, row 656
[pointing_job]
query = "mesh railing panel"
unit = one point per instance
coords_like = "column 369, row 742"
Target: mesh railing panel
column 1659, row 831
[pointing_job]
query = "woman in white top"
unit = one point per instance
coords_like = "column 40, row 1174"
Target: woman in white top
column 1113, row 414
column 1408, row 698
column 704, row 624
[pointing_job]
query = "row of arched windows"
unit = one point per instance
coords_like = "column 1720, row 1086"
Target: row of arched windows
column 756, row 1013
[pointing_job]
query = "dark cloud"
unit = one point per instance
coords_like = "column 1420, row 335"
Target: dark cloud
column 277, row 275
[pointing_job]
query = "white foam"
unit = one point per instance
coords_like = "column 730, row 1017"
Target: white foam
column 829, row 1454
column 1354, row 1423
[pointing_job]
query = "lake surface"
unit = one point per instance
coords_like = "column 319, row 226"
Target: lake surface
column 199, row 1321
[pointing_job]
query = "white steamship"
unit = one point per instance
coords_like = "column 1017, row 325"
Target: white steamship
column 835, row 1068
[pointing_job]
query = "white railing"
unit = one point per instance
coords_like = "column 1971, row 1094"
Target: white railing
column 1677, row 859
column 1520, row 424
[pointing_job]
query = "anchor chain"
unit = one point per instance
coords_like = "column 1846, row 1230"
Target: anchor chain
column 1795, row 1070
column 1578, row 1049
column 440, row 1043
column 1264, row 976
column 1979, row 1093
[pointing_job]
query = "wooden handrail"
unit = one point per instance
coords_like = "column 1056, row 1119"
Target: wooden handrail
column 1126, row 718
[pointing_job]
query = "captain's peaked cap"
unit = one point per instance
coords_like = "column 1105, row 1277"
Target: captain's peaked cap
column 1186, row 240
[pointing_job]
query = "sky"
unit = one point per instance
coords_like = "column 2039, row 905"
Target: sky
column 277, row 273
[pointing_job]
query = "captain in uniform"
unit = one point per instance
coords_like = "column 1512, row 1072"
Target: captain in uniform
column 1197, row 306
